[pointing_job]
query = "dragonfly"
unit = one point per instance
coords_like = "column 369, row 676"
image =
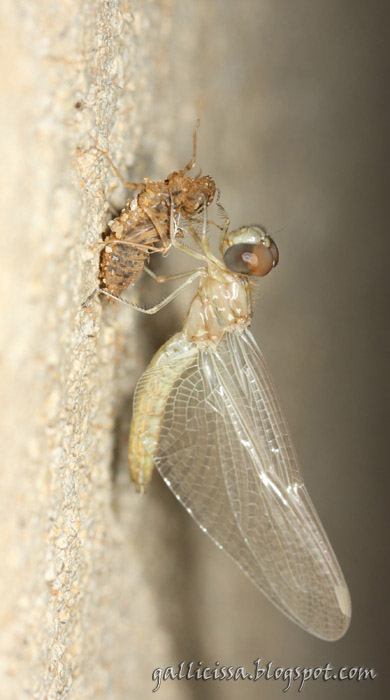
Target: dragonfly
column 207, row 415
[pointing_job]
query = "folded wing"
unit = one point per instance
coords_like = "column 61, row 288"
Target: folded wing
column 225, row 451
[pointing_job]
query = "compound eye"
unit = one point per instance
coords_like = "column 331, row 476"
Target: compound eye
column 274, row 250
column 256, row 259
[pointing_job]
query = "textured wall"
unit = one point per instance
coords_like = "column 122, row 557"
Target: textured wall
column 77, row 611
column 98, row 585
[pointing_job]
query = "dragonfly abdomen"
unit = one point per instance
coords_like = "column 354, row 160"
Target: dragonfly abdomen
column 149, row 405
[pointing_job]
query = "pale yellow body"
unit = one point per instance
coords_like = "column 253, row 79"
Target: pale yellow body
column 149, row 404
column 223, row 303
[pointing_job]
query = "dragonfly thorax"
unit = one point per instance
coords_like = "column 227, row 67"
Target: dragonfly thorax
column 223, row 303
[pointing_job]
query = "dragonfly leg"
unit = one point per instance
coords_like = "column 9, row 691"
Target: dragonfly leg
column 166, row 243
column 173, row 222
column 224, row 214
column 161, row 304
column 192, row 162
column 139, row 246
column 126, row 183
column 189, row 251
column 161, row 279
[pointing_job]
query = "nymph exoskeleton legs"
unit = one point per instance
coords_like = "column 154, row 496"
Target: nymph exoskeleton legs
column 191, row 276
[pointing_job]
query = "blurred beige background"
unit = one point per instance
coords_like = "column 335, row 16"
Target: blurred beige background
column 294, row 126
column 100, row 586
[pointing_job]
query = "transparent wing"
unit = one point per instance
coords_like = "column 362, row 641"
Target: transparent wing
column 225, row 451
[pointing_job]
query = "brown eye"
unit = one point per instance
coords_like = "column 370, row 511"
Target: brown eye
column 274, row 250
column 255, row 259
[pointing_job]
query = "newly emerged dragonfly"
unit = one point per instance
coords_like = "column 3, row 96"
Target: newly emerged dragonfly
column 207, row 415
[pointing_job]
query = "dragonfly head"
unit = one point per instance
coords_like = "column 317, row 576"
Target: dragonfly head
column 250, row 251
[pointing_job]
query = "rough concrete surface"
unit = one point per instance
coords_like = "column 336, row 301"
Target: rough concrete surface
column 75, row 604
column 99, row 585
